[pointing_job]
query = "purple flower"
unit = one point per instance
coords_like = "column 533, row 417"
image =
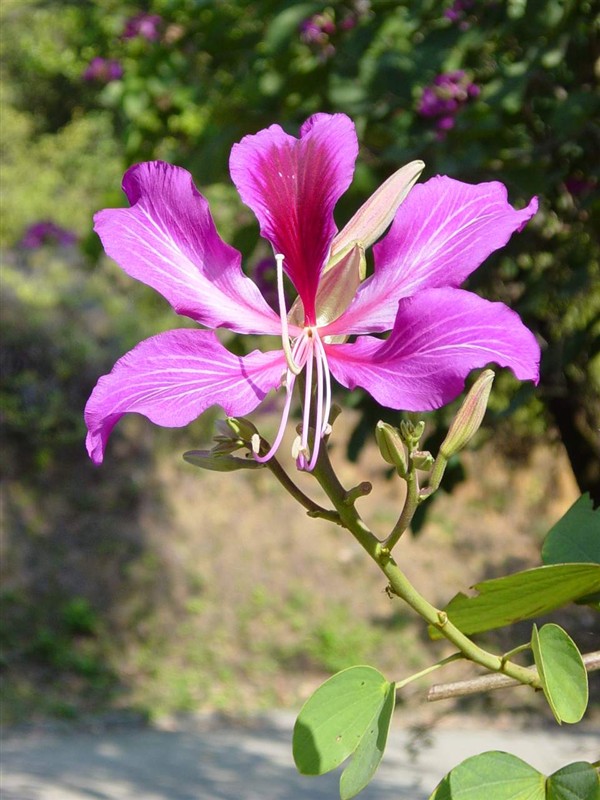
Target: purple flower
column 458, row 10
column 103, row 70
column 46, row 232
column 440, row 232
column 147, row 26
column 442, row 99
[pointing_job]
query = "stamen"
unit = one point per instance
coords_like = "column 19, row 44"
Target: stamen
column 319, row 414
column 307, row 398
column 285, row 338
column 326, row 428
column 284, row 418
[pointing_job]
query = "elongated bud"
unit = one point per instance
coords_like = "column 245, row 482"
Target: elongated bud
column 470, row 415
column 391, row 447
column 219, row 462
column 371, row 220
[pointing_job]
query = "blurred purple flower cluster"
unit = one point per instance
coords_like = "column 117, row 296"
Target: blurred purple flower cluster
column 46, row 232
column 146, row 26
column 264, row 275
column 578, row 186
column 443, row 98
column 318, row 30
column 103, row 70
column 457, row 12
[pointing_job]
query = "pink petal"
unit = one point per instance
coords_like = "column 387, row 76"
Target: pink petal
column 173, row 377
column 292, row 185
column 442, row 232
column 439, row 336
column 168, row 240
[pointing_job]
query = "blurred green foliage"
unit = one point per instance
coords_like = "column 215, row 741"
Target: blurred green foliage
column 217, row 71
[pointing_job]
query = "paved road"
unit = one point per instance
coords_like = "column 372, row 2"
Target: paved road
column 212, row 760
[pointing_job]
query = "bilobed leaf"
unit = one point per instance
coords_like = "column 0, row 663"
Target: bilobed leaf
column 494, row 776
column 334, row 720
column 578, row 781
column 502, row 601
column 576, row 538
column 500, row 776
column 562, row 672
column 370, row 750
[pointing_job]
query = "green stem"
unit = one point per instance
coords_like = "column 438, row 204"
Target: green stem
column 432, row 668
column 520, row 649
column 438, row 619
column 410, row 506
column 348, row 515
column 401, row 586
column 314, row 509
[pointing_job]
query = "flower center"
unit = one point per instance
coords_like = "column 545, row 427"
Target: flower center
column 307, row 352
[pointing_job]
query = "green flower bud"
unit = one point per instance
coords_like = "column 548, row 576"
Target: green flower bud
column 422, row 459
column 241, row 427
column 391, row 447
column 470, row 415
column 411, row 432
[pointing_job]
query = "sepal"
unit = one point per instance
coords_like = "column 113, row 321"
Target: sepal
column 374, row 216
column 219, row 462
column 422, row 459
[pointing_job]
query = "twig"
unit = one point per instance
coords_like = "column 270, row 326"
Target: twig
column 488, row 683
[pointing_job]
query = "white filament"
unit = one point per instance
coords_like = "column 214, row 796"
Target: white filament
column 300, row 354
column 285, row 337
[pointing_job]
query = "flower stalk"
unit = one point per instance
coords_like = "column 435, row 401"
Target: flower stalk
column 400, row 585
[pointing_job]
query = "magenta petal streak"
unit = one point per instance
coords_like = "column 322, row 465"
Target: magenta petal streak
column 292, row 185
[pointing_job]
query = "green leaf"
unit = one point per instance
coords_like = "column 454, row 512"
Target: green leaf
column 370, row 750
column 493, row 775
column 577, row 781
column 502, row 601
column 334, row 720
column 562, row 672
column 501, row 776
column 576, row 537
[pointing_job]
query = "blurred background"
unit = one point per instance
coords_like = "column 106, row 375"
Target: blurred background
column 147, row 586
